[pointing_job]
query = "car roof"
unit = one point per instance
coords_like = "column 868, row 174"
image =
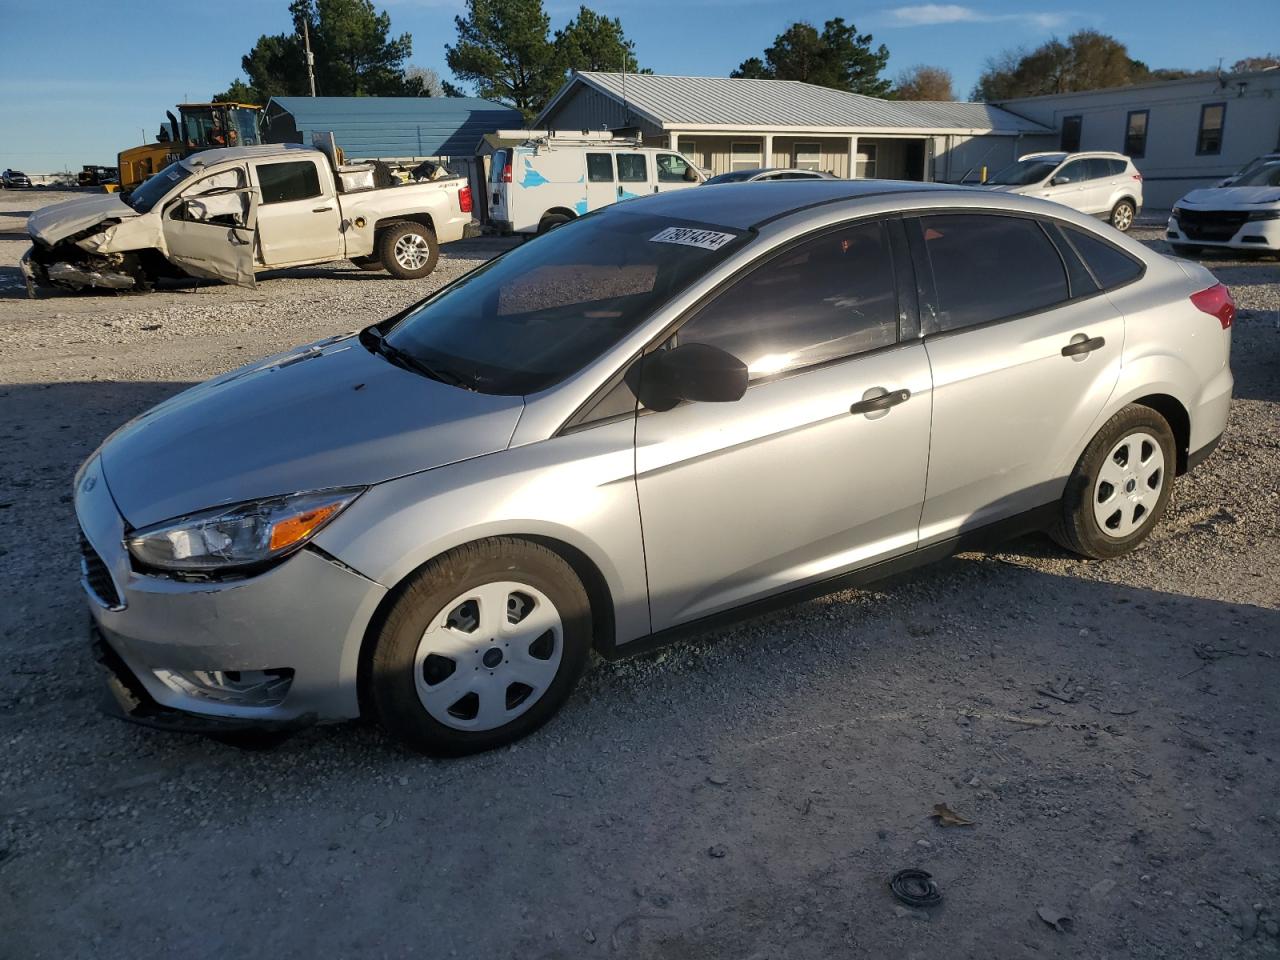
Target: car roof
column 208, row 158
column 742, row 206
column 1077, row 155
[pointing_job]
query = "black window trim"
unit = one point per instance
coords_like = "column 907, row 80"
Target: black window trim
column 1146, row 129
column 928, row 290
column 1222, row 129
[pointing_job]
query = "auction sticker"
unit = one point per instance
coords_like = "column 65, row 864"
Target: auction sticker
column 691, row 237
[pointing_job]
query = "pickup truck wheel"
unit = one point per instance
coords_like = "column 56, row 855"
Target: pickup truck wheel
column 409, row 251
column 367, row 263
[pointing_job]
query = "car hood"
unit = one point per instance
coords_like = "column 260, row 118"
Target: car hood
column 58, row 221
column 328, row 415
column 1227, row 198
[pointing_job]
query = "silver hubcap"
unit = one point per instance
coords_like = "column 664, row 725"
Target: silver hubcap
column 1124, row 216
column 1128, row 485
column 488, row 656
column 412, row 251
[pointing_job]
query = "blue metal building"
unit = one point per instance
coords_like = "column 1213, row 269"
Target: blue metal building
column 368, row 128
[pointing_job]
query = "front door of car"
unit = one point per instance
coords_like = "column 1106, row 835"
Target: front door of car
column 298, row 220
column 209, row 229
column 673, row 173
column 1023, row 363
column 602, row 182
column 820, row 467
column 1069, row 185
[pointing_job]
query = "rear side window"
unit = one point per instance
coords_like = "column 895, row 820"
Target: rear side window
column 1100, row 168
column 1110, row 267
column 600, row 167
column 631, row 168
column 988, row 267
column 282, row 182
column 827, row 298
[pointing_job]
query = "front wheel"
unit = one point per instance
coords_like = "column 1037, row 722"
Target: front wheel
column 1122, row 215
column 1120, row 487
column 482, row 646
column 408, row 250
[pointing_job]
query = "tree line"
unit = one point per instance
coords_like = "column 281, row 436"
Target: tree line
column 505, row 50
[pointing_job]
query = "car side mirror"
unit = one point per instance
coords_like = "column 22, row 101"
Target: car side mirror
column 697, row 372
column 1059, row 181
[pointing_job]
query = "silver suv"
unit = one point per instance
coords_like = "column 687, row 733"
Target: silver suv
column 1106, row 185
column 667, row 412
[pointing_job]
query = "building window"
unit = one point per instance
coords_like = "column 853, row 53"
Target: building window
column 866, row 164
column 1071, row 127
column 1209, row 139
column 689, row 148
column 808, row 156
column 1135, row 134
column 745, row 156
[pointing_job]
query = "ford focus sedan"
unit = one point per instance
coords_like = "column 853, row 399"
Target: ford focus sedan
column 666, row 413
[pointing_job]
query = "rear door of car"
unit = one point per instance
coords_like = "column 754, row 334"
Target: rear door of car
column 633, row 174
column 813, row 471
column 1025, row 351
column 298, row 218
column 602, row 179
column 1069, row 185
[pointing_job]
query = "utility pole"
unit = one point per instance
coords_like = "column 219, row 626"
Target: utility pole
column 311, row 60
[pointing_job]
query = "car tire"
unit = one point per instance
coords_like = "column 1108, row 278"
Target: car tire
column 1120, row 486
column 1185, row 249
column 368, row 263
column 408, row 250
column 449, row 677
column 1122, row 215
column 550, row 222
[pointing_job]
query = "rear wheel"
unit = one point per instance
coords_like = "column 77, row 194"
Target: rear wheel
column 482, row 647
column 551, row 221
column 408, row 250
column 1122, row 215
column 1120, row 487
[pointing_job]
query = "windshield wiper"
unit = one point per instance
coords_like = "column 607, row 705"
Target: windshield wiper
column 377, row 341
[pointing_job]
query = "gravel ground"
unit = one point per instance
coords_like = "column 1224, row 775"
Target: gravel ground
column 1113, row 729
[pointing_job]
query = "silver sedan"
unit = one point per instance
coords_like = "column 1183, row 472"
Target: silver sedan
column 674, row 410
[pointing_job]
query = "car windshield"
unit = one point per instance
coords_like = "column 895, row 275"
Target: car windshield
column 735, row 177
column 1268, row 175
column 537, row 314
column 156, row 187
column 1022, row 172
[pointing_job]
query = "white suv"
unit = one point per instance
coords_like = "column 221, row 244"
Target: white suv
column 1106, row 185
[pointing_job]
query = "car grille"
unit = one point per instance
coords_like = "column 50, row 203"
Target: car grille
column 96, row 578
column 1211, row 224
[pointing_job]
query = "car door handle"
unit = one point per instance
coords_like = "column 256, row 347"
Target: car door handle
column 1078, row 348
column 882, row 402
column 321, row 209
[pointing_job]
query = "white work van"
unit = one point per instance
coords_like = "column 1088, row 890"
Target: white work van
column 549, row 178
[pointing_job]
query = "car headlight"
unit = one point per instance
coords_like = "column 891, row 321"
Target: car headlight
column 241, row 535
column 1175, row 212
column 1265, row 215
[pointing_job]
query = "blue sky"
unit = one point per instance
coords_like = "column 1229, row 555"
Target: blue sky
column 80, row 80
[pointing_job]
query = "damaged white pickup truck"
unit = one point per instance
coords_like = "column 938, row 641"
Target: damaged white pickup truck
column 228, row 214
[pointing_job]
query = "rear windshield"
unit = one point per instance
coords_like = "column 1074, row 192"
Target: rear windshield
column 157, row 187
column 543, row 311
column 1021, row 172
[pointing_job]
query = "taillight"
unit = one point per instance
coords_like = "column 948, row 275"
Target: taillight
column 1138, row 177
column 1216, row 301
column 506, row 173
column 464, row 199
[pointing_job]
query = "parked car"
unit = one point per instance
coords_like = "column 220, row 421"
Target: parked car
column 768, row 173
column 1248, row 168
column 1105, row 185
column 1245, row 216
column 230, row 213
column 677, row 410
column 14, row 179
column 549, row 179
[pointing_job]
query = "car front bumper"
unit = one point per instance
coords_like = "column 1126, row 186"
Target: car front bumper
column 1225, row 233
column 183, row 654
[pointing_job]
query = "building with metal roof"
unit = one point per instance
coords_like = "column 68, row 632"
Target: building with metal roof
column 725, row 124
column 368, row 128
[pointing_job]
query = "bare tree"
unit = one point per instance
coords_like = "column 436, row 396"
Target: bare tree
column 923, row 82
column 423, row 82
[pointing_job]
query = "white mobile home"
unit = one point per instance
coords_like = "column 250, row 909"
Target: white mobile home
column 1181, row 134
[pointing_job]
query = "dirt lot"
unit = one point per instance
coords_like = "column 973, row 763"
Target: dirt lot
column 1113, row 729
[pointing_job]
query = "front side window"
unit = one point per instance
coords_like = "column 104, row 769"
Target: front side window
column 808, row 156
column 218, row 199
column 542, row 311
column 600, row 167
column 672, row 169
column 284, row 182
column 988, row 267
column 631, row 168
column 1071, row 129
column 1209, row 139
column 829, row 297
column 745, row 155
column 1135, row 136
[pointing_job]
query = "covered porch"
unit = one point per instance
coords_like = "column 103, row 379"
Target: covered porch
column 887, row 157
